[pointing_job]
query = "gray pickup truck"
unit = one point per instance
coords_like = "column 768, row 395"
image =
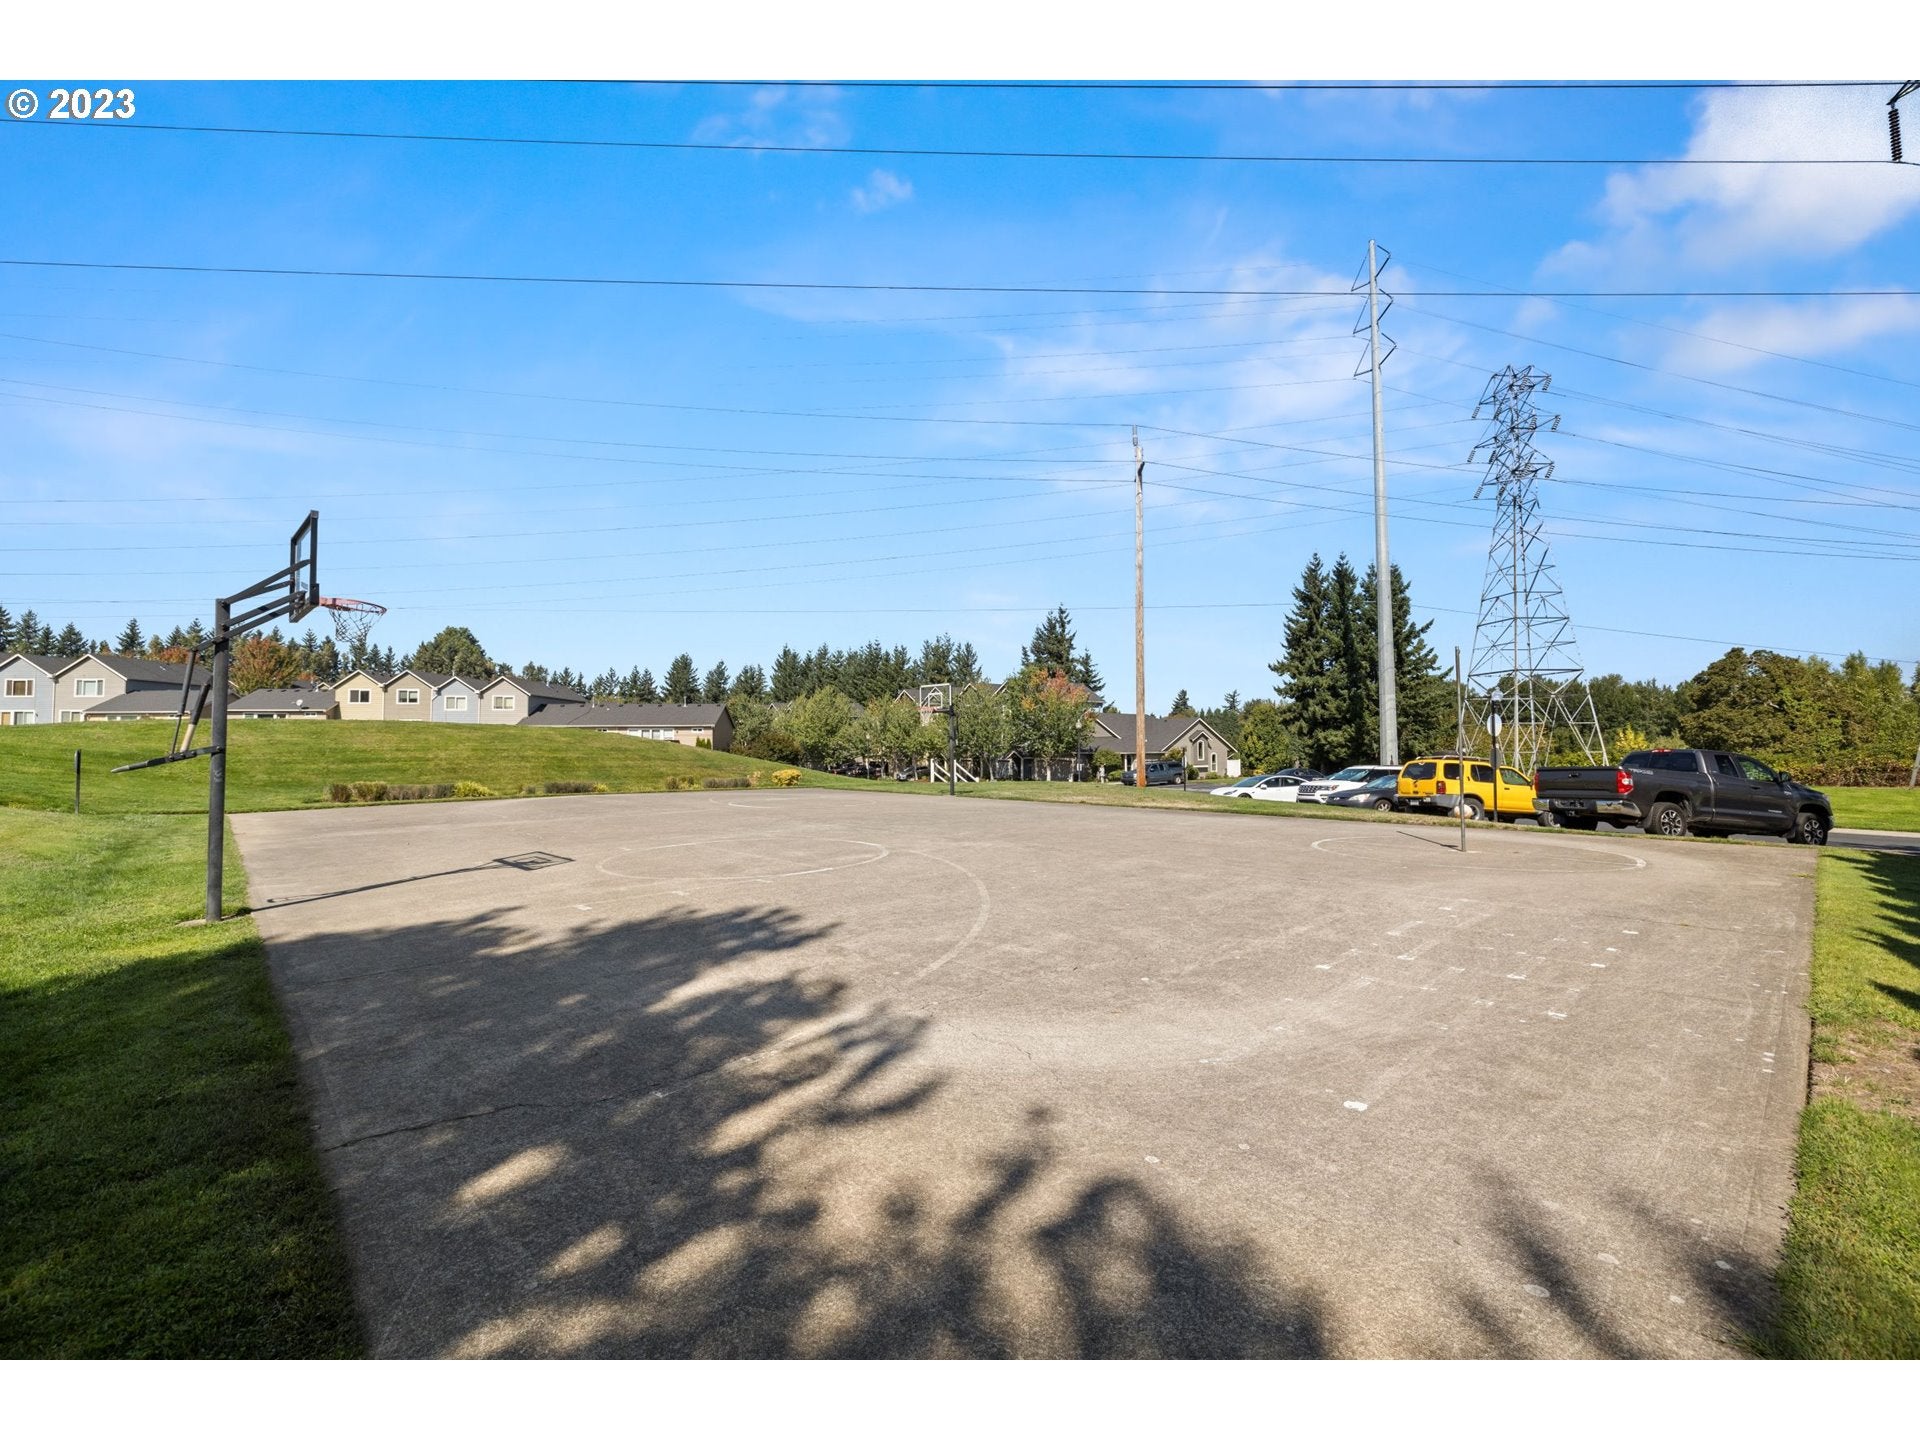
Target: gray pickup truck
column 1680, row 792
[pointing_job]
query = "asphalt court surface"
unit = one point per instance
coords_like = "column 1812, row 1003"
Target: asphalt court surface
column 830, row 1073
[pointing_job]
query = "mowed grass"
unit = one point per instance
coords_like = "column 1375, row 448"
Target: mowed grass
column 158, row 1192
column 1860, row 807
column 1850, row 1273
column 288, row 764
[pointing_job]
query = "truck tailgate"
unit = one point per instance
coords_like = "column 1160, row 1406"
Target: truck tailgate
column 1579, row 782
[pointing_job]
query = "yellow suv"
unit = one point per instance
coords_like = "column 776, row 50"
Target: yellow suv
column 1433, row 783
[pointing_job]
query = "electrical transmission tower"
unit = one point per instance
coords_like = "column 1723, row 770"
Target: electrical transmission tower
column 1524, row 663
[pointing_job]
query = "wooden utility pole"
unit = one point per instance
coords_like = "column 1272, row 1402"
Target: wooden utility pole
column 1139, row 614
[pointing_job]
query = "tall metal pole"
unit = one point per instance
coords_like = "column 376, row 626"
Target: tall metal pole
column 217, row 770
column 1139, row 614
column 953, row 727
column 1382, row 570
column 1515, row 706
column 1460, row 736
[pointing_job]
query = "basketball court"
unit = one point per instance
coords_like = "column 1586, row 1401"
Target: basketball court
column 831, row 1073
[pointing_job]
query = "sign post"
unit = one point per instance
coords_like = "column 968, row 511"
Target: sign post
column 1493, row 728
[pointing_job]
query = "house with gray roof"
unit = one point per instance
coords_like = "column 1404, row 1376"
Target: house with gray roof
column 296, row 702
column 507, row 699
column 27, row 685
column 682, row 724
column 155, row 704
column 1199, row 743
column 85, row 684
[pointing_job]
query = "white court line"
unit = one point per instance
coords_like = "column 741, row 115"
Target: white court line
column 979, row 920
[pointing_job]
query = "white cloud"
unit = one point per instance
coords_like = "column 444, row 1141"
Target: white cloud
column 883, row 190
column 1708, row 215
column 780, row 115
column 1816, row 327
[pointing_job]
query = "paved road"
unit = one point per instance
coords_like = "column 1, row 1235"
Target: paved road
column 817, row 1073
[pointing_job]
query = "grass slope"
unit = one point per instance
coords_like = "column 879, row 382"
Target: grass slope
column 1858, row 807
column 1850, row 1274
column 288, row 764
column 158, row 1192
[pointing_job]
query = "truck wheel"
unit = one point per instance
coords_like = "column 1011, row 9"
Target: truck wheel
column 1809, row 828
column 1666, row 818
column 1475, row 810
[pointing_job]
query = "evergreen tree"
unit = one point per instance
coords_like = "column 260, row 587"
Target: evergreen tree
column 325, row 666
column 1053, row 649
column 194, row 635
column 132, row 639
column 454, row 651
column 751, row 683
column 966, row 665
column 176, row 639
column 531, row 671
column 789, row 676
column 682, row 685
column 1181, row 705
column 645, row 692
column 718, row 682
column 606, row 687
column 70, row 642
column 28, row 639
column 6, row 630
column 1423, row 691
column 935, row 665
column 1312, row 707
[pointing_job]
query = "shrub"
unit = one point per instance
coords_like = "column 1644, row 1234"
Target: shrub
column 756, row 779
column 471, row 790
column 573, row 787
column 725, row 782
column 673, row 783
column 785, row 778
column 702, row 744
column 1106, row 761
column 418, row 792
column 367, row 790
column 339, row 793
column 529, row 789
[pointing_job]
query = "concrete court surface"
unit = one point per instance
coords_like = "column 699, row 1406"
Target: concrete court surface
column 830, row 1073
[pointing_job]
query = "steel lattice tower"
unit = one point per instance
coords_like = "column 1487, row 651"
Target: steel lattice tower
column 1524, row 660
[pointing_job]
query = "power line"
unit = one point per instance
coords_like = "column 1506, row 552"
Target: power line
column 1253, row 86
column 924, row 152
column 890, row 287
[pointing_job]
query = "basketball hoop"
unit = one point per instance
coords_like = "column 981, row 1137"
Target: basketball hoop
column 353, row 620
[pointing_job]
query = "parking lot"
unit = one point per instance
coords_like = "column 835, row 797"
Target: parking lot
column 818, row 1073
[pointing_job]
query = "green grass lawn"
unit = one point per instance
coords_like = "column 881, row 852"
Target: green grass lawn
column 1860, row 807
column 1850, row 1275
column 158, row 1192
column 288, row 764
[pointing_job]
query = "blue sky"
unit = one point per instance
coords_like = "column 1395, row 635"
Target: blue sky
column 595, row 476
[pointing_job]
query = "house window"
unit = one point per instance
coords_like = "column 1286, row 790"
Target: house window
column 503, row 702
column 17, row 717
column 456, row 702
column 85, row 688
column 406, row 697
column 19, row 687
column 359, row 697
column 67, row 717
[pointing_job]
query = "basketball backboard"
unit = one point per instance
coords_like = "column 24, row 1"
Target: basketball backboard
column 303, row 567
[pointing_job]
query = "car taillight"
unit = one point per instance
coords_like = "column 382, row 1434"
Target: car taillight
column 1536, row 779
column 1439, row 787
column 1622, row 782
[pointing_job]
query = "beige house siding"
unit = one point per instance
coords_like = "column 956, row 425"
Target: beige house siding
column 490, row 713
column 374, row 707
column 103, row 682
column 402, row 685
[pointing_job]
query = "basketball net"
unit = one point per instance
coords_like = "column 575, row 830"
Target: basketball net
column 353, row 621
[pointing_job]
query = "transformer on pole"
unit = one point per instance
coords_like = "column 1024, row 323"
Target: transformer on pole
column 1524, row 660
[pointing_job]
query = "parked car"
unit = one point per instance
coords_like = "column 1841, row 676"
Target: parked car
column 1341, row 781
column 1380, row 793
column 1433, row 782
column 1283, row 786
column 1680, row 792
column 1240, row 786
column 1159, row 772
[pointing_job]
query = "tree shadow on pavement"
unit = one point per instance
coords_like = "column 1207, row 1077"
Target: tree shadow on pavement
column 676, row 1136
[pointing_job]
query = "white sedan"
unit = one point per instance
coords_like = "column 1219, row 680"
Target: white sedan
column 1283, row 786
column 1342, row 781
